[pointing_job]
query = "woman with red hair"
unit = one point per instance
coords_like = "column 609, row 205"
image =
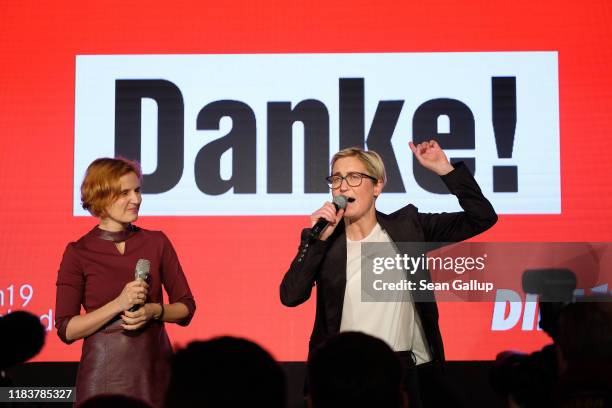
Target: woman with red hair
column 126, row 349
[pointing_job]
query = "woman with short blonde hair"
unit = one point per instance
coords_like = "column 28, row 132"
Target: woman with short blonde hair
column 331, row 261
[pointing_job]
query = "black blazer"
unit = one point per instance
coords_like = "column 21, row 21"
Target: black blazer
column 323, row 263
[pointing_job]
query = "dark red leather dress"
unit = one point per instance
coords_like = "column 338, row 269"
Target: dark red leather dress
column 92, row 273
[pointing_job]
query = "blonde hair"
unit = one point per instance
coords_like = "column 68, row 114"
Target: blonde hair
column 372, row 161
column 101, row 185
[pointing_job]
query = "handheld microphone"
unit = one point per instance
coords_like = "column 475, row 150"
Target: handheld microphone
column 339, row 202
column 141, row 272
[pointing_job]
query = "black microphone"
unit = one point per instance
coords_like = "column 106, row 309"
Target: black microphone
column 141, row 272
column 339, row 202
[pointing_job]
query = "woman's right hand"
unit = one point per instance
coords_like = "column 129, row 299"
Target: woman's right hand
column 134, row 293
column 328, row 212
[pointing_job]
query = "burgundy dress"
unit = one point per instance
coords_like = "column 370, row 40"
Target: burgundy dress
column 92, row 273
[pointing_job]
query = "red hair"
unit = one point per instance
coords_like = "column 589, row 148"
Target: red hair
column 101, row 185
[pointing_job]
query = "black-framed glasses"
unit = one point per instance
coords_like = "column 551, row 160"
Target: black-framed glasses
column 353, row 179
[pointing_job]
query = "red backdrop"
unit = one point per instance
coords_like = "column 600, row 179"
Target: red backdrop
column 239, row 295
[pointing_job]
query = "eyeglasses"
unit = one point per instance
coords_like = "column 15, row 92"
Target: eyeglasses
column 353, row 179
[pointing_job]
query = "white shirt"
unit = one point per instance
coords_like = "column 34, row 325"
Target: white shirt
column 394, row 321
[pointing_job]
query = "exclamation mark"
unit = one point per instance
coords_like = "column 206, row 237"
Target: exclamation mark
column 505, row 178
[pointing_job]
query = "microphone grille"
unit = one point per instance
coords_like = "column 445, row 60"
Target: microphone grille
column 340, row 201
column 142, row 269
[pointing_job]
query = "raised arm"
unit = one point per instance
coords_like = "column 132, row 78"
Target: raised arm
column 478, row 214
